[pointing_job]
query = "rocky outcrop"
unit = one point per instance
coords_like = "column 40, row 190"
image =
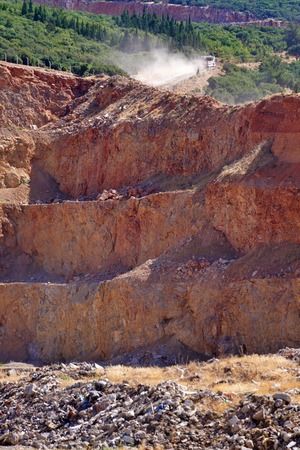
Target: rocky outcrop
column 121, row 141
column 29, row 98
column 35, row 96
column 179, row 12
column 239, row 207
column 149, row 216
column 116, row 233
column 208, row 14
column 92, row 320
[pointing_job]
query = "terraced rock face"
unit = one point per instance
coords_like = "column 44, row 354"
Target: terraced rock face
column 86, row 237
column 131, row 216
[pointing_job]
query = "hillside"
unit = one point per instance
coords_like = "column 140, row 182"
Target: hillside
column 89, row 44
column 285, row 9
column 43, row 44
column 145, row 238
column 149, row 242
column 121, row 202
column 66, row 39
column 211, row 11
column 273, row 54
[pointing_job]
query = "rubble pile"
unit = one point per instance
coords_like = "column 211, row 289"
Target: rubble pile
column 110, row 194
column 38, row 411
column 264, row 422
column 121, row 194
column 290, row 353
column 192, row 266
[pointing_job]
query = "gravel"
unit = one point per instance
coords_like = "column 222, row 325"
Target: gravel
column 39, row 412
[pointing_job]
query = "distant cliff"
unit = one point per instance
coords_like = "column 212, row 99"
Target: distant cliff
column 179, row 12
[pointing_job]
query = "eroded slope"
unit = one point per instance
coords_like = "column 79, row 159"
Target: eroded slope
column 148, row 216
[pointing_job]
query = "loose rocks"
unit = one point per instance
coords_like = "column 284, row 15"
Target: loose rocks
column 39, row 412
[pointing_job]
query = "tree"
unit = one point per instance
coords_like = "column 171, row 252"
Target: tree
column 24, row 8
column 125, row 19
column 295, row 50
column 293, row 35
column 30, row 7
column 36, row 14
column 44, row 14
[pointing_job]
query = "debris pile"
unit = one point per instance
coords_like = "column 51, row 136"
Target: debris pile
column 110, row 194
column 121, row 194
column 191, row 267
column 290, row 353
column 264, row 422
column 39, row 412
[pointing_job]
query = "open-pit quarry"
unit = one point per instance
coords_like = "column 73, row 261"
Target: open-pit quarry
column 131, row 215
column 142, row 227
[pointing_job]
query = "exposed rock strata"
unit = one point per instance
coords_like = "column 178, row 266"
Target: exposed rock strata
column 116, row 234
column 208, row 14
column 35, row 96
column 194, row 236
column 100, row 320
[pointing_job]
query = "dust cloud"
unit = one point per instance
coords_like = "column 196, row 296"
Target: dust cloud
column 161, row 67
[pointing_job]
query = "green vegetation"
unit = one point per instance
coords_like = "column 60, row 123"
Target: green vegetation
column 240, row 85
column 61, row 39
column 233, row 44
column 284, row 9
column 86, row 43
column 227, row 42
column 34, row 36
column 89, row 43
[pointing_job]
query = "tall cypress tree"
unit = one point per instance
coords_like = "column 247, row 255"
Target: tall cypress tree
column 44, row 14
column 24, row 8
column 36, row 14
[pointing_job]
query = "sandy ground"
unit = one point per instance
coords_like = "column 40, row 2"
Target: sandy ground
column 195, row 85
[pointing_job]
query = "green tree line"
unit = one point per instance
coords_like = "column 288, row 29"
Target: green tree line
column 228, row 42
column 50, row 37
column 60, row 18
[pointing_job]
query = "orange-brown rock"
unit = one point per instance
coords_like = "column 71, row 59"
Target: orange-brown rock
column 117, row 234
column 145, row 216
column 207, row 13
column 92, row 320
column 115, row 141
column 31, row 97
column 256, row 207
